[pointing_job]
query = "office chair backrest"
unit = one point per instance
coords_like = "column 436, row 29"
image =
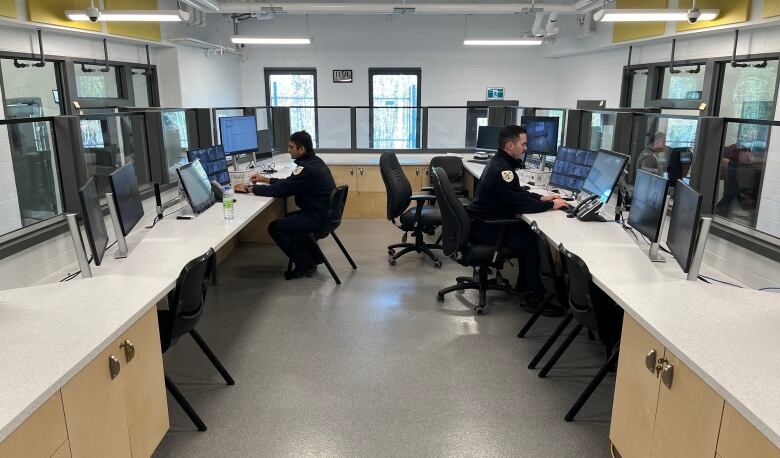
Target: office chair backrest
column 338, row 200
column 453, row 165
column 189, row 297
column 455, row 220
column 578, row 280
column 550, row 276
column 399, row 191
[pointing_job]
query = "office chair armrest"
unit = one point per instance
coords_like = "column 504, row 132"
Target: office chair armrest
column 427, row 188
column 423, row 197
column 497, row 221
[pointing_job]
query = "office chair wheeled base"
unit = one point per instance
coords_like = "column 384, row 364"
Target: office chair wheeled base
column 481, row 284
column 425, row 248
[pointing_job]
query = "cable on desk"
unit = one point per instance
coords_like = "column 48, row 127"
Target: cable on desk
column 710, row 280
column 73, row 275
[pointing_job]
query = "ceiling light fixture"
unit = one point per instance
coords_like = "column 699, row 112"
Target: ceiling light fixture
column 650, row 15
column 131, row 16
column 270, row 41
column 514, row 42
column 204, row 5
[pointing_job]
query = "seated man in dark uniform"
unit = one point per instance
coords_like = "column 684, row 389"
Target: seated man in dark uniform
column 311, row 183
column 500, row 195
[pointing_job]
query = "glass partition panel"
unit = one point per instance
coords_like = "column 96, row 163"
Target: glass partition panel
column 97, row 81
column 109, row 142
column 748, row 187
column 29, row 175
column 664, row 145
column 264, row 118
column 140, row 80
column 334, row 128
column 29, row 91
column 175, row 140
column 395, row 127
column 447, row 127
column 638, row 89
column 362, row 126
column 686, row 84
column 602, row 130
column 749, row 92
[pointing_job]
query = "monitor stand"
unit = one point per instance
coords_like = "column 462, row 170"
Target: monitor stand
column 120, row 238
column 653, row 253
column 78, row 245
column 701, row 244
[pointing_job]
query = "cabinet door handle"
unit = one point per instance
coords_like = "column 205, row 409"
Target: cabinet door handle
column 113, row 366
column 361, row 170
column 667, row 374
column 351, row 171
column 417, row 171
column 427, row 171
column 129, row 350
column 650, row 361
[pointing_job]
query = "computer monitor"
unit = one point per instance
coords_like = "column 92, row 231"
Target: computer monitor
column 196, row 186
column 213, row 160
column 127, row 198
column 542, row 134
column 684, row 224
column 238, row 134
column 94, row 224
column 571, row 167
column 648, row 204
column 487, row 138
column 604, row 174
column 678, row 157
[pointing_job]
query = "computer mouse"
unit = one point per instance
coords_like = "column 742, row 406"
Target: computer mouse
column 531, row 183
column 526, row 187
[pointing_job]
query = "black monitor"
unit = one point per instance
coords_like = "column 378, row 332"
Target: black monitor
column 604, row 174
column 238, row 134
column 213, row 160
column 265, row 144
column 677, row 157
column 542, row 134
column 94, row 224
column 684, row 224
column 487, row 137
column 571, row 167
column 647, row 204
column 196, row 186
column 127, row 198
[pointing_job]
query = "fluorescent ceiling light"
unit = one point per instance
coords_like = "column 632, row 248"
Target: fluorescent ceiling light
column 640, row 15
column 203, row 5
column 131, row 15
column 516, row 42
column 270, row 41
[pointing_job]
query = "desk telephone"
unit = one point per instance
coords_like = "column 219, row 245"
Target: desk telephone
column 587, row 209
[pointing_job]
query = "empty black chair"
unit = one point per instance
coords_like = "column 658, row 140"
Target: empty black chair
column 456, row 233
column 555, row 292
column 453, row 166
column 185, row 306
column 593, row 310
column 338, row 200
column 420, row 220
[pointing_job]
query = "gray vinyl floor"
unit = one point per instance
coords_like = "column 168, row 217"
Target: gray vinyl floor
column 376, row 366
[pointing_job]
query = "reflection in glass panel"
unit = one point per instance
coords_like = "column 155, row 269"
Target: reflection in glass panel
column 175, row 140
column 140, row 89
column 295, row 90
column 685, row 85
column 447, row 127
column 334, row 127
column 394, row 127
column 749, row 92
column 638, row 89
column 30, row 184
column 30, row 91
column 747, row 189
column 96, row 81
column 666, row 147
column 602, row 131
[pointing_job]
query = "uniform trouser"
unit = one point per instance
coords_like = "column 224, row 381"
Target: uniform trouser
column 297, row 224
column 521, row 241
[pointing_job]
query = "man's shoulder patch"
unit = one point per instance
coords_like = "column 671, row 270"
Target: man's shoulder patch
column 297, row 170
column 508, row 175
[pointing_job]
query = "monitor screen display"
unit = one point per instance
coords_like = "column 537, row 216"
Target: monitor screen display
column 571, row 167
column 604, row 174
column 94, row 224
column 487, row 137
column 196, row 186
column 647, row 204
column 238, row 134
column 213, row 161
column 542, row 135
column 684, row 224
column 124, row 186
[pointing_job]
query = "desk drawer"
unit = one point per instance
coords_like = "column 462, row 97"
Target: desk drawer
column 41, row 435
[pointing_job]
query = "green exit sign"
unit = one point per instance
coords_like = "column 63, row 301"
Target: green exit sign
column 495, row 93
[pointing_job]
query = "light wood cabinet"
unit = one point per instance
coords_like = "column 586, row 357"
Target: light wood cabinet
column 41, row 435
column 738, row 438
column 63, row 451
column 372, row 205
column 346, row 174
column 414, row 173
column 369, row 179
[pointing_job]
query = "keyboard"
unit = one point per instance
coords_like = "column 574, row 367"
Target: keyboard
column 478, row 161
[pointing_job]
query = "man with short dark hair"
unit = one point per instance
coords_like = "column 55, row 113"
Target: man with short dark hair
column 311, row 183
column 500, row 195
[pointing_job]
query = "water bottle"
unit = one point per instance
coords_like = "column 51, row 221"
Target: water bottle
column 227, row 202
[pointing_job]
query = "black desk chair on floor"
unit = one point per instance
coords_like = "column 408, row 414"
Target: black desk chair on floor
column 338, row 200
column 453, row 165
column 593, row 310
column 456, row 233
column 419, row 220
column 185, row 306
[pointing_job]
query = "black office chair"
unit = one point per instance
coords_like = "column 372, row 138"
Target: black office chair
column 593, row 310
column 420, row 220
column 456, row 233
column 185, row 306
column 553, row 282
column 453, row 165
column 338, row 200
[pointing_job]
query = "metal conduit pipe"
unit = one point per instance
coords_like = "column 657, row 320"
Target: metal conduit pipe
column 418, row 8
